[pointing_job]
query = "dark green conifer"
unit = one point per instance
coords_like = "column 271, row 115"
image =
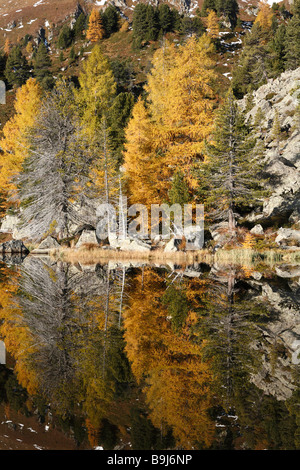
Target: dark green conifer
column 119, row 115
column 65, row 37
column 42, row 65
column 17, row 68
column 292, row 40
column 80, row 26
column 110, row 18
column 179, row 192
column 231, row 176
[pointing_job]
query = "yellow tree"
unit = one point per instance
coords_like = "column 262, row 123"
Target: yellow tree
column 15, row 141
column 95, row 30
column 177, row 382
column 29, row 49
column 97, row 88
column 140, row 157
column 181, row 101
column 7, row 46
column 17, row 336
column 212, row 27
column 95, row 97
column 264, row 16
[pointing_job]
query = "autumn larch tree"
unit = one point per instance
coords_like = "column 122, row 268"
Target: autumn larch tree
column 181, row 100
column 15, row 142
column 265, row 15
column 139, row 157
column 169, row 135
column 95, row 30
column 95, row 98
column 212, row 26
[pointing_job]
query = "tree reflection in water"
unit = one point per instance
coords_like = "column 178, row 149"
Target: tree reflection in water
column 147, row 359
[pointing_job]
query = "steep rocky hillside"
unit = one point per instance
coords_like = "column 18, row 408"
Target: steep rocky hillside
column 279, row 99
column 26, row 17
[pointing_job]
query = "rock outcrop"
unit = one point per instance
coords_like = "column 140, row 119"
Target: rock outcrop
column 13, row 247
column 87, row 237
column 279, row 97
column 48, row 243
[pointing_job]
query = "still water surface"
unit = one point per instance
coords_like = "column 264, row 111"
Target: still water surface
column 132, row 356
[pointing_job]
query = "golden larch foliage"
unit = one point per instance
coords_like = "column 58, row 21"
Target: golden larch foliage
column 95, row 30
column 180, row 107
column 212, row 26
column 15, row 142
column 264, row 16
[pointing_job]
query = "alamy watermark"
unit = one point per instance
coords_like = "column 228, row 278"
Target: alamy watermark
column 161, row 221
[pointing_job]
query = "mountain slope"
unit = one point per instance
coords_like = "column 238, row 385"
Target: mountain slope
column 20, row 18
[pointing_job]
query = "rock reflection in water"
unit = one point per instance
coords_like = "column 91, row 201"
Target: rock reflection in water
column 154, row 357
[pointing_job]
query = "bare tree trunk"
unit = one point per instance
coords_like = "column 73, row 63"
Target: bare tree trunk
column 122, row 294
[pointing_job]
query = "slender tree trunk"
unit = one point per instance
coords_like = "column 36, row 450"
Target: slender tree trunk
column 122, row 294
column 231, row 216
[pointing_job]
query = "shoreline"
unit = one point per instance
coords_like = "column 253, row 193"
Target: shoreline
column 235, row 256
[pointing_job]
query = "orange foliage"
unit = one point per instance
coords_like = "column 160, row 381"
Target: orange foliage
column 178, row 381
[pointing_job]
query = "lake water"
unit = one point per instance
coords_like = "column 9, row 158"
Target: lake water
column 132, row 356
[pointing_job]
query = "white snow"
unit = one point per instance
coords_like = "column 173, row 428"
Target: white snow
column 40, row 2
column 31, row 430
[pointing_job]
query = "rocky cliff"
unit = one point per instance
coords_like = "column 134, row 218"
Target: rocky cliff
column 279, row 99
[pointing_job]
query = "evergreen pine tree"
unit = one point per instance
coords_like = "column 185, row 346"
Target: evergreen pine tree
column 119, row 115
column 165, row 18
column 276, row 130
column 231, row 173
column 65, row 37
column 80, row 26
column 17, row 68
column 110, row 19
column 139, row 23
column 152, row 24
column 229, row 9
column 254, row 64
column 258, row 120
column 42, row 66
column 277, row 48
column 72, row 55
column 208, row 5
column 179, row 192
column 292, row 40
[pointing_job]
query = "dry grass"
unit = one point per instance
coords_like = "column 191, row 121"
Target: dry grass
column 244, row 257
column 94, row 255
